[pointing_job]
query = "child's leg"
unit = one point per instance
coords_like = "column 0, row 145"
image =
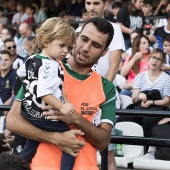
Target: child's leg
column 29, row 150
column 67, row 162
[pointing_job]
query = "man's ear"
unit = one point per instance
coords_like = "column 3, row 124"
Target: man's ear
column 104, row 52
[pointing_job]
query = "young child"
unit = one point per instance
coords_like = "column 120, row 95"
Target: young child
column 42, row 82
column 30, row 10
column 166, row 47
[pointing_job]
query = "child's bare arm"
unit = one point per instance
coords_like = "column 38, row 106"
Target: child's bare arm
column 66, row 108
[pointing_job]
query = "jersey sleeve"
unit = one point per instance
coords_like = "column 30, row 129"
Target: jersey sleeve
column 48, row 79
column 20, row 94
column 109, row 106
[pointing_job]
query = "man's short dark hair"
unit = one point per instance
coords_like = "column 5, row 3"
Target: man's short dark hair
column 9, row 40
column 6, row 52
column 166, row 38
column 103, row 26
column 12, row 162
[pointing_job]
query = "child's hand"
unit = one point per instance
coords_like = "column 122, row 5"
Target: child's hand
column 67, row 108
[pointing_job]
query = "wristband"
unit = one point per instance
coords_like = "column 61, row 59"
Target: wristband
column 154, row 102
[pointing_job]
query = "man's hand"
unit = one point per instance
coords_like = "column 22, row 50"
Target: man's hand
column 69, row 142
column 9, row 138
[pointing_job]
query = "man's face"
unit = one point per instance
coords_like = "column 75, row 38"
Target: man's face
column 23, row 32
column 11, row 47
column 95, row 8
column 7, row 62
column 5, row 34
column 90, row 46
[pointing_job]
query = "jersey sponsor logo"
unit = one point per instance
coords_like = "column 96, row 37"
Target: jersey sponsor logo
column 87, row 110
column 32, row 112
column 31, row 75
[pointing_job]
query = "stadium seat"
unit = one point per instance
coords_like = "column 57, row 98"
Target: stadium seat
column 148, row 162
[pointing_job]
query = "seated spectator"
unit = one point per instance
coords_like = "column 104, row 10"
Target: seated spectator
column 30, row 10
column 12, row 162
column 57, row 8
column 161, row 8
column 39, row 15
column 7, row 77
column 11, row 47
column 164, row 30
column 136, row 63
column 150, row 91
column 10, row 9
column 20, row 16
column 115, row 8
column 25, row 30
column 85, row 16
column 3, row 20
column 163, row 21
column 166, row 46
column 7, row 32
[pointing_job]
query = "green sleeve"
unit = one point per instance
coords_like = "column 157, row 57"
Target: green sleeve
column 20, row 94
column 109, row 106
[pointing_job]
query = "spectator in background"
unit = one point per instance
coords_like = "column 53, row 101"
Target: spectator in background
column 136, row 63
column 130, row 18
column 7, row 33
column 12, row 162
column 161, row 8
column 166, row 46
column 7, row 77
column 39, row 15
column 147, row 7
column 10, row 7
column 85, row 16
column 163, row 21
column 78, row 9
column 157, row 83
column 25, row 30
column 30, row 10
column 3, row 20
column 11, row 47
column 20, row 16
column 57, row 8
column 31, row 46
column 115, row 9
column 164, row 30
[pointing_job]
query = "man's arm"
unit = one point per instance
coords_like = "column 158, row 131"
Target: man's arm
column 66, row 141
column 97, row 136
column 114, row 62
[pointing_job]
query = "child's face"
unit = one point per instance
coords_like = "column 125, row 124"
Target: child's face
column 166, row 46
column 85, row 16
column 57, row 49
column 115, row 11
column 146, row 8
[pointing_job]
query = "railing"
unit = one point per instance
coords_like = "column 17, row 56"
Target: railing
column 132, row 140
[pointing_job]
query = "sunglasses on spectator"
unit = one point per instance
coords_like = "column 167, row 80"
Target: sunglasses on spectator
column 14, row 47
